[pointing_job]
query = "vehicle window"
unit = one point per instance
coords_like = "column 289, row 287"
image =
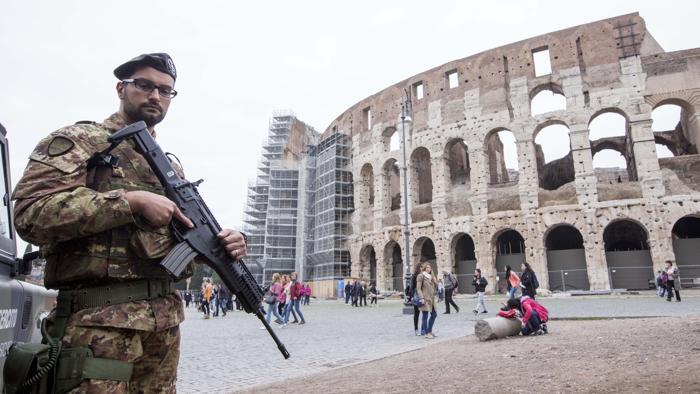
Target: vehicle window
column 4, row 190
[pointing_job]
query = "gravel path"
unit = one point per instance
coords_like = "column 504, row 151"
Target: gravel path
column 610, row 356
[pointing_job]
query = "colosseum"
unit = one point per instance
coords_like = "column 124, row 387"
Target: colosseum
column 580, row 225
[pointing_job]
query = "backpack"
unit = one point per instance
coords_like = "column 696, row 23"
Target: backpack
column 535, row 282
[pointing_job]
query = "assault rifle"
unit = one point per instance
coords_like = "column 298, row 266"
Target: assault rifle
column 202, row 239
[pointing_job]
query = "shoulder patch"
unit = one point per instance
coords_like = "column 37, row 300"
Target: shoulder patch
column 60, row 146
column 86, row 122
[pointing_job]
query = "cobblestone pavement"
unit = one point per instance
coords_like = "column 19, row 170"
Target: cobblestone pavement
column 225, row 354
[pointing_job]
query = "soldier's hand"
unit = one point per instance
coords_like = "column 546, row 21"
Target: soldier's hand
column 233, row 242
column 157, row 209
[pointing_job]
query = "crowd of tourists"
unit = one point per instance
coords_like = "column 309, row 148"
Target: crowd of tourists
column 426, row 290
column 356, row 293
column 284, row 298
column 668, row 282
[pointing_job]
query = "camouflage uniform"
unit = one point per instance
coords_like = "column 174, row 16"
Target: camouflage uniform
column 83, row 223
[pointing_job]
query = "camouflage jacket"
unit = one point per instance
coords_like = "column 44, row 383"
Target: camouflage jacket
column 82, row 220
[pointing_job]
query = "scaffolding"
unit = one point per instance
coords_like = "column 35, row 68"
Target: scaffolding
column 297, row 214
column 332, row 204
column 270, row 216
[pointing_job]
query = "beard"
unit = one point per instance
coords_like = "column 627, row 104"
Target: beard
column 150, row 113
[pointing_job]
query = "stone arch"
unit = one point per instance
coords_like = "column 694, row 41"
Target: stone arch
column 391, row 140
column 547, row 98
column 391, row 184
column 424, row 251
column 393, row 263
column 667, row 142
column 463, row 253
column 368, row 263
column 558, row 169
column 421, row 176
column 607, row 110
column 367, row 185
column 509, row 248
column 456, row 157
column 681, row 135
column 604, row 121
column 608, row 174
column 685, row 237
column 566, row 258
column 627, row 254
column 499, row 173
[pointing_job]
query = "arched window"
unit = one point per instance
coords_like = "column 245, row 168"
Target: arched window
column 422, row 176
column 457, row 158
column 555, row 166
column 502, row 157
column 391, row 184
column 547, row 100
column 367, row 191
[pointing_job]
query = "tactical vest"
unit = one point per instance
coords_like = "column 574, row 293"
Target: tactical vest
column 122, row 253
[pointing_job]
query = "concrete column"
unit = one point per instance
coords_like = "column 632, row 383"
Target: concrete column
column 485, row 261
column 596, row 264
column 478, row 162
column 528, row 184
column 534, row 249
column 645, row 159
column 585, row 181
column 379, row 207
column 439, row 171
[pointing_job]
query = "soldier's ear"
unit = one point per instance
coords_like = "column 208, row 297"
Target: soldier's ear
column 120, row 89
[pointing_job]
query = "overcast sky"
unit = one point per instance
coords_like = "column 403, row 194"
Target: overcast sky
column 239, row 61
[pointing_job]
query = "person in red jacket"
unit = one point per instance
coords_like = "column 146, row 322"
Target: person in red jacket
column 534, row 315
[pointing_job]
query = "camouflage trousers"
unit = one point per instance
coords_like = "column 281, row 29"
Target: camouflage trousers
column 155, row 355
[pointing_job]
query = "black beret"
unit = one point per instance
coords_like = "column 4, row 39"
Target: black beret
column 160, row 61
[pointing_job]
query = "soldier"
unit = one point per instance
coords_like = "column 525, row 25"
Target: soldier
column 102, row 228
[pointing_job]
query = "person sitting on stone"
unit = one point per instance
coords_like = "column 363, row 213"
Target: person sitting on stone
column 534, row 315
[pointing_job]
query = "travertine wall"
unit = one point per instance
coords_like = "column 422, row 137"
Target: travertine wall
column 599, row 68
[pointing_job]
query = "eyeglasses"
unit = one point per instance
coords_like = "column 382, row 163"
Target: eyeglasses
column 147, row 86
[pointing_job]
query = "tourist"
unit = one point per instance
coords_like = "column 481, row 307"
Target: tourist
column 363, row 293
column 661, row 283
column 222, row 299
column 215, row 300
column 528, row 280
column 411, row 292
column 294, row 287
column 673, row 281
column 188, row 299
column 307, row 294
column 277, row 291
column 440, row 290
column 451, row 287
column 534, row 315
column 355, row 293
column 479, row 283
column 426, row 284
column 348, row 291
column 512, row 281
column 373, row 294
column 207, row 290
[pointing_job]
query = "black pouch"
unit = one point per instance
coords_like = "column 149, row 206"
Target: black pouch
column 23, row 362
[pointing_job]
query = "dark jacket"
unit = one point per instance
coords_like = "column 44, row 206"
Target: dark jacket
column 480, row 284
column 412, row 289
column 373, row 290
column 528, row 288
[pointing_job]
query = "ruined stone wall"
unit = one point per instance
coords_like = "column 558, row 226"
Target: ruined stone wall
column 612, row 65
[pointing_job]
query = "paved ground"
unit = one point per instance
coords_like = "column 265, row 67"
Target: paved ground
column 231, row 353
column 575, row 357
